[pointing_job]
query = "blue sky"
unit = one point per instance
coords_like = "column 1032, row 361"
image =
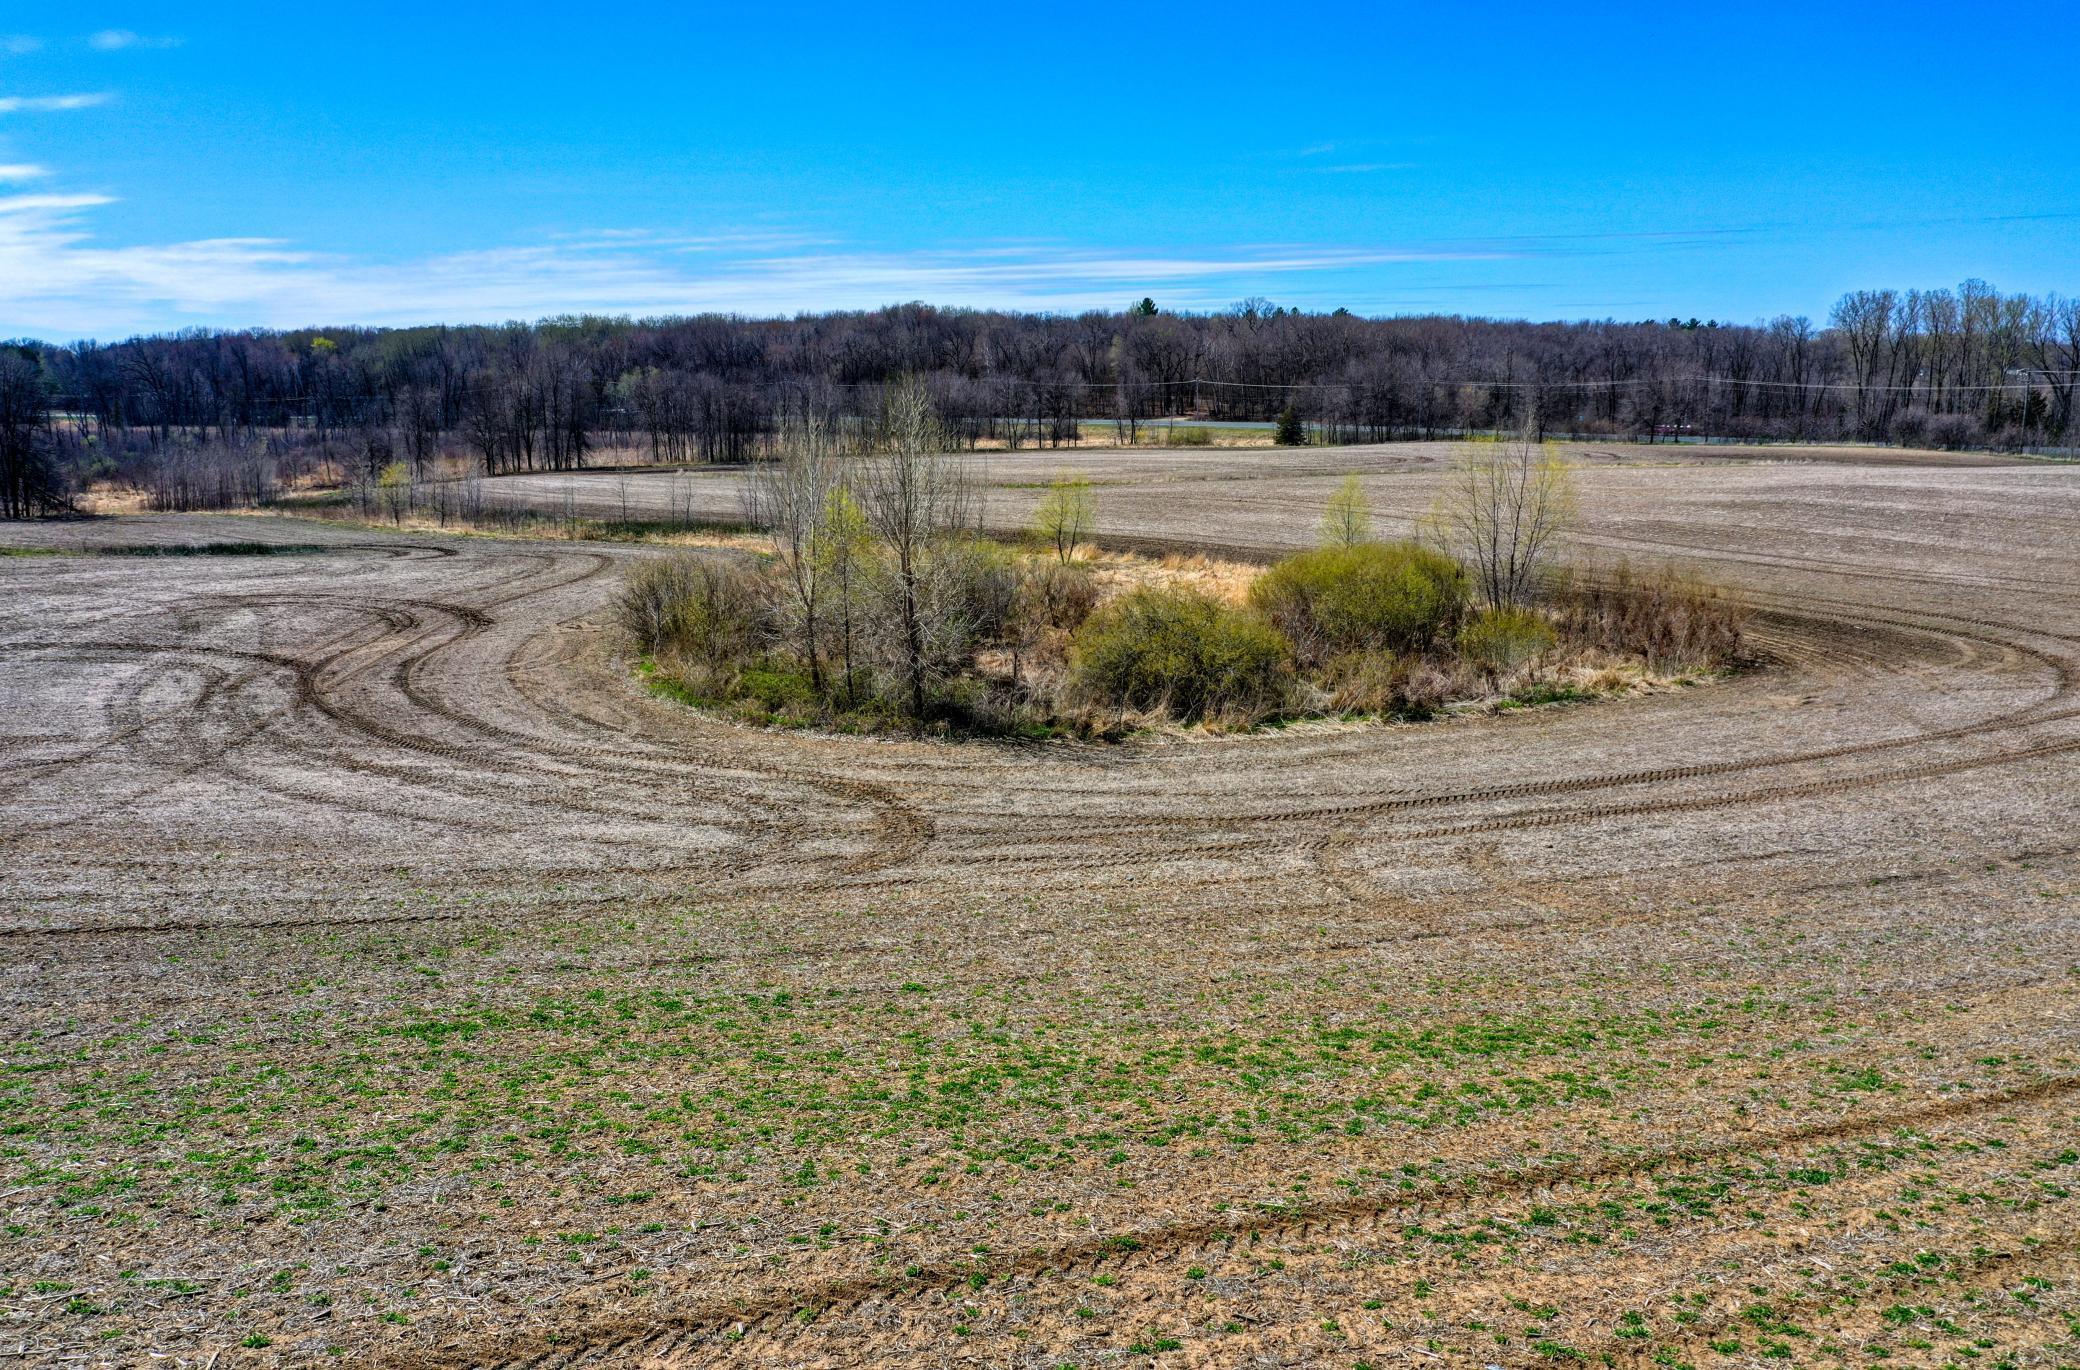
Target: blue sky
column 242, row 164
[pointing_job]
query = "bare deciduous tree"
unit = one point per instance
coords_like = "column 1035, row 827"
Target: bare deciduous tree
column 419, row 427
column 915, row 495
column 790, row 494
column 1501, row 511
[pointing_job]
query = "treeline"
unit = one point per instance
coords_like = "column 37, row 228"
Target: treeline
column 1970, row 367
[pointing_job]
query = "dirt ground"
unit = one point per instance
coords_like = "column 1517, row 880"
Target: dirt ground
column 389, row 981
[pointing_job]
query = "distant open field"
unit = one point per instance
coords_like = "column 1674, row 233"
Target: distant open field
column 389, row 980
column 1263, row 499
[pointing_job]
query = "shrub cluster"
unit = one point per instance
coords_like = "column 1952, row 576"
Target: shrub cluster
column 1024, row 642
column 1183, row 652
column 1499, row 640
column 880, row 604
column 713, row 609
column 1367, row 597
column 722, row 630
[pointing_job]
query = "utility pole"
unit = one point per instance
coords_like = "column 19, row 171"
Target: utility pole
column 2024, row 372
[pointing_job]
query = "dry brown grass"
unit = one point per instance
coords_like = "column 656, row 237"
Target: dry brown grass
column 107, row 500
column 1119, row 571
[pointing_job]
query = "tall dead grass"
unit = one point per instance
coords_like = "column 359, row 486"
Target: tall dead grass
column 1669, row 618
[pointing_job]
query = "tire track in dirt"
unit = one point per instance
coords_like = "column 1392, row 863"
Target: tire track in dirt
column 125, row 714
column 320, row 683
column 904, row 829
column 1157, row 831
column 1312, row 848
column 772, row 1317
column 124, row 651
column 2031, row 716
column 199, row 760
column 466, row 761
column 2026, row 717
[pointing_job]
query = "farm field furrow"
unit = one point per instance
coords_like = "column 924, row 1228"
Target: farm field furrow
column 390, row 979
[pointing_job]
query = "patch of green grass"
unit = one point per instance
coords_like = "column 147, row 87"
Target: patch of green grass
column 1545, row 692
column 509, row 1084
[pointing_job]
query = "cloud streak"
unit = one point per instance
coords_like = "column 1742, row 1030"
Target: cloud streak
column 58, row 281
column 44, row 104
column 116, row 40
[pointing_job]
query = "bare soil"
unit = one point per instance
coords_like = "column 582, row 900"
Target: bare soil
column 389, row 981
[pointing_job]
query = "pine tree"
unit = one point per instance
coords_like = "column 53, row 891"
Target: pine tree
column 1292, row 429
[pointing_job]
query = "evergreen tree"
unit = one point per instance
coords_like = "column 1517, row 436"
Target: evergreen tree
column 1292, row 429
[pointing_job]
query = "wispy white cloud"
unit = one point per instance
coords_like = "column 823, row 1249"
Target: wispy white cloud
column 43, row 104
column 20, row 171
column 1331, row 158
column 57, row 280
column 115, row 40
column 18, row 44
column 21, row 206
